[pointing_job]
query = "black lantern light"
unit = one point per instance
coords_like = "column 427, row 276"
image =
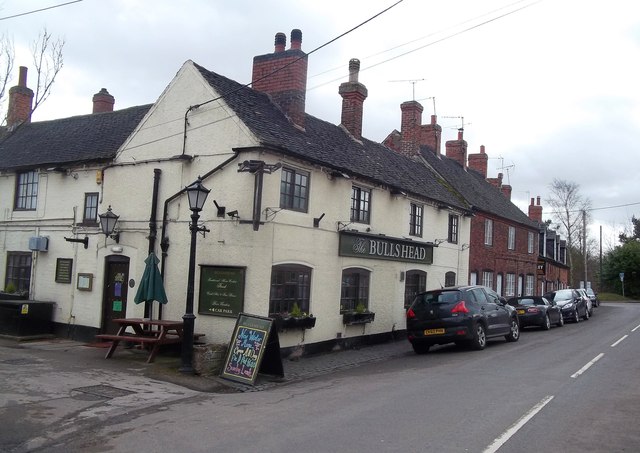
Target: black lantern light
column 108, row 222
column 197, row 195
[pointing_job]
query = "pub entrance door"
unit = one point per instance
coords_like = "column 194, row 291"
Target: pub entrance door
column 114, row 298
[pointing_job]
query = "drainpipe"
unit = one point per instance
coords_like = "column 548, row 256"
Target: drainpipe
column 164, row 241
column 153, row 228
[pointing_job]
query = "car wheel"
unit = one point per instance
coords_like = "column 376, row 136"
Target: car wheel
column 586, row 314
column 420, row 348
column 560, row 321
column 576, row 317
column 514, row 334
column 479, row 340
column 546, row 323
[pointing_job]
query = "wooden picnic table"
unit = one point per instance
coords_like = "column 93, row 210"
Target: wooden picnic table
column 167, row 332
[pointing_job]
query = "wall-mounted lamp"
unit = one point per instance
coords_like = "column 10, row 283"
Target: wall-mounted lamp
column 233, row 214
column 108, row 222
column 316, row 221
column 221, row 209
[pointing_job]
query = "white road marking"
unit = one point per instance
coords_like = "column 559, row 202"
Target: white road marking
column 635, row 328
column 500, row 441
column 587, row 366
column 616, row 343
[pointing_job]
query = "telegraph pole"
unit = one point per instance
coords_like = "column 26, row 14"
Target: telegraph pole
column 584, row 244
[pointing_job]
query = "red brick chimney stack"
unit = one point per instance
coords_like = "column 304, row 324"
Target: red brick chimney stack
column 457, row 149
column 431, row 135
column 535, row 211
column 496, row 182
column 353, row 95
column 103, row 101
column 283, row 76
column 478, row 162
column 410, row 127
column 20, row 101
column 506, row 191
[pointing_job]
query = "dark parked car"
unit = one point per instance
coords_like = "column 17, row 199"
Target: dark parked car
column 466, row 315
column 571, row 303
column 537, row 311
column 593, row 296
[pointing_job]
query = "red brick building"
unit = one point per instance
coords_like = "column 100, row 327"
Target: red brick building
column 503, row 248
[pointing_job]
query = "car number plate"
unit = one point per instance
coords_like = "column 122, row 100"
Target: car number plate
column 434, row 331
column 520, row 312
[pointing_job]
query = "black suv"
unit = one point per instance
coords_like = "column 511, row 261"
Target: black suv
column 467, row 315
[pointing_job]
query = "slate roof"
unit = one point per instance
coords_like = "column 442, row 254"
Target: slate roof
column 484, row 196
column 329, row 145
column 69, row 141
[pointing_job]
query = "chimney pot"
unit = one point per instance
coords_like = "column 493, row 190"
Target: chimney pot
column 280, row 42
column 538, row 200
column 460, row 133
column 22, row 78
column 296, row 39
column 482, row 149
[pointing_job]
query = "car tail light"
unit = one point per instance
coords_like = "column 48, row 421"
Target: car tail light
column 532, row 310
column 460, row 307
column 410, row 314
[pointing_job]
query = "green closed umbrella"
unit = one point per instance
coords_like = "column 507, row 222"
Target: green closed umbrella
column 151, row 287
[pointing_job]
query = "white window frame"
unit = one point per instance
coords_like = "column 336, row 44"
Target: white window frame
column 487, row 279
column 510, row 285
column 511, row 239
column 488, row 232
column 529, row 285
column 530, row 242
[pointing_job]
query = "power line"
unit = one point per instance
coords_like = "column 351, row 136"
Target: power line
column 431, row 43
column 300, row 58
column 41, row 9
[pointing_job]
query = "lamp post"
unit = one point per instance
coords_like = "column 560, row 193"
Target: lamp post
column 108, row 222
column 197, row 195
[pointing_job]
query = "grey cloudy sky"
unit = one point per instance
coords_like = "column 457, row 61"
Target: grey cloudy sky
column 550, row 88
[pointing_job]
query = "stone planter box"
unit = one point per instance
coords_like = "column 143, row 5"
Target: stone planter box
column 208, row 359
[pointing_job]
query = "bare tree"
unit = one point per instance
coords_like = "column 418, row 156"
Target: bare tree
column 47, row 58
column 6, row 63
column 571, row 211
column 48, row 61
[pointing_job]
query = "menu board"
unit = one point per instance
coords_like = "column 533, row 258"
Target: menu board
column 63, row 270
column 254, row 348
column 221, row 291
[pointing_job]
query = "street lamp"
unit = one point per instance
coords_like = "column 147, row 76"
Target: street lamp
column 108, row 222
column 197, row 195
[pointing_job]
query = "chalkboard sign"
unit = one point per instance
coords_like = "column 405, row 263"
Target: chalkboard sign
column 254, row 348
column 221, row 291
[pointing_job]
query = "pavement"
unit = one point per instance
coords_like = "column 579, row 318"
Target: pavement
column 165, row 367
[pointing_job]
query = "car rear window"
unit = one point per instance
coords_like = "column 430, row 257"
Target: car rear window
column 438, row 297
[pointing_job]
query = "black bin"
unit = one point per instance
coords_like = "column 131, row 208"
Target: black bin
column 24, row 318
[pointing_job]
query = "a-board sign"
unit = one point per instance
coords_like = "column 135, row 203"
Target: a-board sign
column 221, row 290
column 254, row 348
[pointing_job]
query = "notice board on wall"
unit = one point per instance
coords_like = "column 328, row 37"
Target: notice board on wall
column 221, row 290
column 254, row 348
